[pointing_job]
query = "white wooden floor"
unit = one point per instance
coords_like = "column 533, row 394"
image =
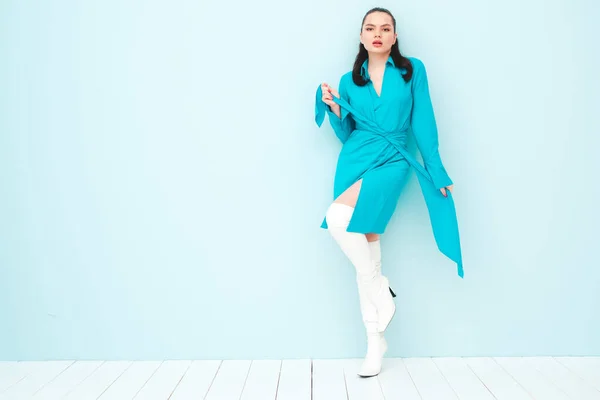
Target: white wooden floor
column 476, row 378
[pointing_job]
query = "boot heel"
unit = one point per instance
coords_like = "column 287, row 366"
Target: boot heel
column 392, row 292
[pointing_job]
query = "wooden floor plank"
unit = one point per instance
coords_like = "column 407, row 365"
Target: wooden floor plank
column 496, row 379
column 531, row 379
column 38, row 376
column 131, row 381
column 7, row 365
column 573, row 385
column 430, row 382
column 163, row 381
column 196, row 380
column 68, row 380
column 101, row 379
column 14, row 372
column 230, row 380
column 588, row 368
column 328, row 380
column 358, row 387
column 295, row 380
column 461, row 378
column 396, row 382
column 262, row 381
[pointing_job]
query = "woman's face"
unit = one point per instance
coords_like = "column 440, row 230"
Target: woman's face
column 377, row 33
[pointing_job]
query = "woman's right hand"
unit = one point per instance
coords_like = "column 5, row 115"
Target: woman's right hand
column 327, row 98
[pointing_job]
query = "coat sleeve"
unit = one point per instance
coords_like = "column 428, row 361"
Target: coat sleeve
column 344, row 125
column 424, row 126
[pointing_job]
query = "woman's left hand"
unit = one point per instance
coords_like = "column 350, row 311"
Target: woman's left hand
column 443, row 190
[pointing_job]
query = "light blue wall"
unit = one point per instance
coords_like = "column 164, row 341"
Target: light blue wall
column 162, row 181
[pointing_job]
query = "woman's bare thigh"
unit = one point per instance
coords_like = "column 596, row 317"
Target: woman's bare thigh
column 349, row 198
column 350, row 195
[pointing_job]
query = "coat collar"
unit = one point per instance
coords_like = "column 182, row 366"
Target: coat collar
column 364, row 69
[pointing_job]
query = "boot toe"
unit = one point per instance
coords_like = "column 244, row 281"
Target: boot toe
column 368, row 370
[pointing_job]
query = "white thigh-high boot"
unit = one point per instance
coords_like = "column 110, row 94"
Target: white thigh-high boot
column 375, row 247
column 376, row 257
column 377, row 304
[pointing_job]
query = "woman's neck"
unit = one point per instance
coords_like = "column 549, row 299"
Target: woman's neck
column 378, row 60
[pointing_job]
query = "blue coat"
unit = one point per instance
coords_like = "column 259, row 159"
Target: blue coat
column 374, row 130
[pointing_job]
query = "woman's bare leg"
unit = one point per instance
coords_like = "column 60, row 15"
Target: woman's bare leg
column 372, row 237
column 350, row 195
column 349, row 198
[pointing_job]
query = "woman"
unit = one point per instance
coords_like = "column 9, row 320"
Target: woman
column 380, row 101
